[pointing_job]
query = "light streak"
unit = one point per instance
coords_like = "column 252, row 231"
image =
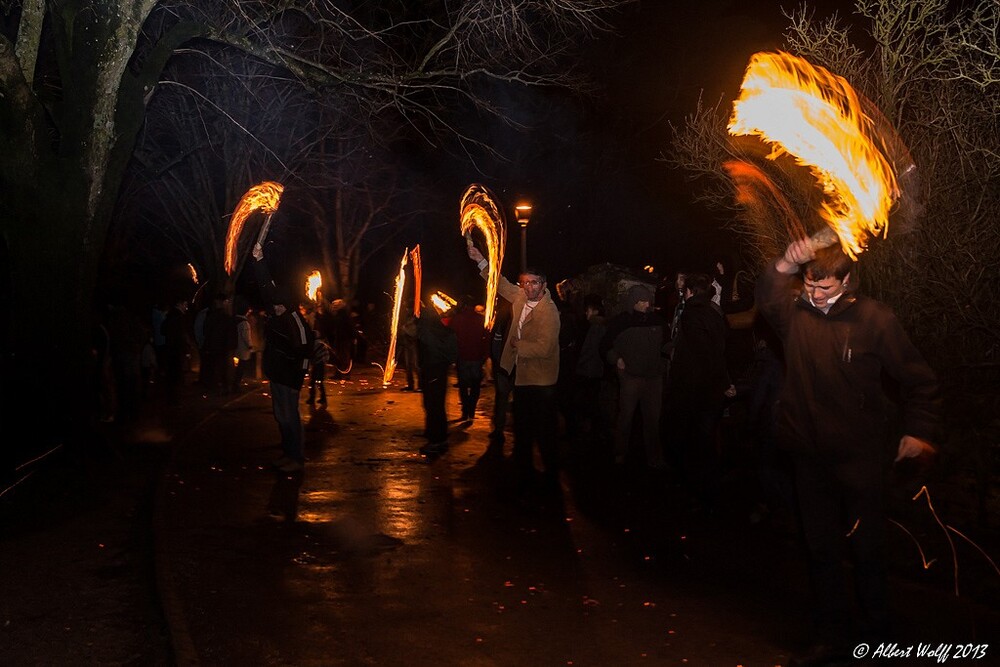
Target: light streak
column 442, row 302
column 951, row 543
column 478, row 210
column 397, row 303
column 417, row 278
column 818, row 118
column 923, row 559
column 313, row 284
column 193, row 272
column 263, row 197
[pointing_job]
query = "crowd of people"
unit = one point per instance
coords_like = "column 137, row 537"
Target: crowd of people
column 640, row 381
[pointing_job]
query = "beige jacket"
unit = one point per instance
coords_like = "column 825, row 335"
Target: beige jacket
column 536, row 354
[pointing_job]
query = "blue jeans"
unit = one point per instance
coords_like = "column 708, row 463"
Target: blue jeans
column 285, row 402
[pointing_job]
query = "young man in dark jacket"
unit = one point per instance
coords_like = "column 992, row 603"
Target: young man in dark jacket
column 831, row 416
column 287, row 350
column 438, row 350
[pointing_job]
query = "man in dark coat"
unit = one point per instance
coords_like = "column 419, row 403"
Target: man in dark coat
column 698, row 386
column 287, row 351
column 831, row 416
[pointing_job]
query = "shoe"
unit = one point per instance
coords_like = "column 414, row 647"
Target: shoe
column 291, row 466
column 407, row 389
column 434, row 448
column 823, row 655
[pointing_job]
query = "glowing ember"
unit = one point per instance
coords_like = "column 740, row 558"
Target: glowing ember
column 479, row 211
column 397, row 303
column 417, row 276
column 313, row 284
column 194, row 274
column 442, row 302
column 263, row 197
column 817, row 117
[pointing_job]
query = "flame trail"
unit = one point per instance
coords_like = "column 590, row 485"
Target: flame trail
column 923, row 558
column 417, row 277
column 818, row 118
column 442, row 302
column 264, row 197
column 313, row 284
column 478, row 210
column 397, row 303
column 954, row 554
column 193, row 272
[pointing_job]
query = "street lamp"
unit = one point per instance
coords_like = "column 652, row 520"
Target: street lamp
column 523, row 212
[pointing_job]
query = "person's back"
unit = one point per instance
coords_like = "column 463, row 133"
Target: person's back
column 473, row 348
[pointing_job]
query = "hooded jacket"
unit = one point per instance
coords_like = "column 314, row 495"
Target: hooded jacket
column 833, row 404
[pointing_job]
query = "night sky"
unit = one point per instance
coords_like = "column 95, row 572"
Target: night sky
column 590, row 167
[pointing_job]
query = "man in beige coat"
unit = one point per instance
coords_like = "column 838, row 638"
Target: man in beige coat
column 531, row 357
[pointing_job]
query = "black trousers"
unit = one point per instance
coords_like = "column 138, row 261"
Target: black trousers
column 842, row 506
column 535, row 422
column 434, row 383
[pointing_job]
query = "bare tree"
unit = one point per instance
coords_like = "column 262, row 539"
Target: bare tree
column 76, row 77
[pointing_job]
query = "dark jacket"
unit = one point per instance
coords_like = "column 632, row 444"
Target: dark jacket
column 288, row 338
column 590, row 363
column 436, row 343
column 833, row 403
column 698, row 374
column 638, row 339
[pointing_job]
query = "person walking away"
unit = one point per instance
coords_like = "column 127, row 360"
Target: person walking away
column 590, row 373
column 473, row 349
column 244, row 344
column 176, row 348
column 698, row 387
column 411, row 358
column 438, row 347
column 832, row 417
column 634, row 345
column 503, row 385
column 531, row 358
column 287, row 349
column 317, row 369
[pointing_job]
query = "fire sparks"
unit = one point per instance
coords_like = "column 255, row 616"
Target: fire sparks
column 313, row 284
column 442, row 302
column 417, row 277
column 478, row 210
column 397, row 303
column 818, row 118
column 194, row 273
column 263, row 197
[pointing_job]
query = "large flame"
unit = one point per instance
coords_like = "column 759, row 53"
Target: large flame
column 397, row 303
column 417, row 277
column 817, row 117
column 313, row 285
column 263, row 197
column 478, row 210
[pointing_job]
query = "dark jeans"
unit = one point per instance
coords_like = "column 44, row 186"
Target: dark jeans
column 470, row 380
column 694, row 444
column 502, row 385
column 646, row 394
column 434, row 384
column 535, row 422
column 317, row 374
column 285, row 401
column 837, row 499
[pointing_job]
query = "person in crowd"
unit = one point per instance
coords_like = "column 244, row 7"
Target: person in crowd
column 531, row 358
column 438, row 347
column 317, row 369
column 503, row 385
column 832, row 417
column 473, row 349
column 244, row 343
column 569, row 334
column 176, row 349
column 410, row 351
column 634, row 345
column 218, row 345
column 128, row 335
column 344, row 339
column 698, row 387
column 591, row 371
column 287, row 350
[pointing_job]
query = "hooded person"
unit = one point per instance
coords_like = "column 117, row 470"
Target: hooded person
column 634, row 345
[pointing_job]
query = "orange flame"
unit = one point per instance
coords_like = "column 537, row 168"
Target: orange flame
column 397, row 303
column 264, row 197
column 479, row 211
column 417, row 276
column 194, row 273
column 313, row 284
column 817, row 117
column 442, row 302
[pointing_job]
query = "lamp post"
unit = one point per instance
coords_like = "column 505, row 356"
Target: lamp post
column 523, row 212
